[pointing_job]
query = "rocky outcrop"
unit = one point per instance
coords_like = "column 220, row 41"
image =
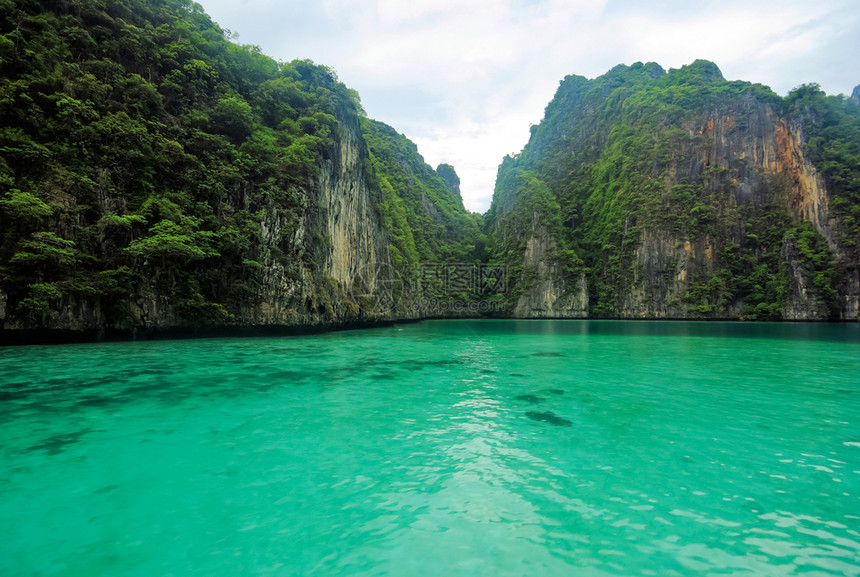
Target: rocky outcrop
column 330, row 268
column 660, row 278
column 547, row 293
column 801, row 303
column 189, row 191
column 761, row 163
column 449, row 175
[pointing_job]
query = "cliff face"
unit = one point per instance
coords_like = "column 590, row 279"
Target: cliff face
column 549, row 294
column 329, row 267
column 680, row 195
column 758, row 164
column 340, row 237
column 305, row 273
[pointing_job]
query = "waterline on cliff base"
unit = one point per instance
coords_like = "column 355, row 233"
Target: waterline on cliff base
column 444, row 447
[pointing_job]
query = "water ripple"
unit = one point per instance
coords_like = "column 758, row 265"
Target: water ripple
column 431, row 450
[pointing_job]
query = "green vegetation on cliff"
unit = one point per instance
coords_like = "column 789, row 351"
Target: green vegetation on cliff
column 427, row 216
column 832, row 128
column 639, row 151
column 139, row 144
column 434, row 239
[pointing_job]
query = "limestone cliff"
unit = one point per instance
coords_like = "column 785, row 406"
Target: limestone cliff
column 550, row 294
column 681, row 195
column 339, row 237
column 304, row 277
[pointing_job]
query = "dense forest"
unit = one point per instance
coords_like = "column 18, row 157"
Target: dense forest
column 156, row 174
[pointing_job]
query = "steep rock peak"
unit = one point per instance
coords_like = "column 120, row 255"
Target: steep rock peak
column 654, row 70
column 855, row 96
column 636, row 71
column 699, row 72
column 449, row 175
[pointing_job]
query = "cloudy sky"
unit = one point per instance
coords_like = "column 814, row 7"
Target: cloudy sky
column 464, row 79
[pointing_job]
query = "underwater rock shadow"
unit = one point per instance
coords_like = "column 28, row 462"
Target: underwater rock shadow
column 533, row 399
column 286, row 377
column 548, row 417
column 56, row 444
column 417, row 365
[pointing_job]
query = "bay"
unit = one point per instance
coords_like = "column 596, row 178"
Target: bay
column 438, row 448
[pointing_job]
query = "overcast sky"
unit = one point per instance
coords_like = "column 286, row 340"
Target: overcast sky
column 464, row 79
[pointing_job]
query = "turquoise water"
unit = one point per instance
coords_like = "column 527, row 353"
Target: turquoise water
column 479, row 448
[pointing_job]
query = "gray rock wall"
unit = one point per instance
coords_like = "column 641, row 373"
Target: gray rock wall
column 746, row 155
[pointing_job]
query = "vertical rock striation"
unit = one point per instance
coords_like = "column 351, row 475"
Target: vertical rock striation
column 550, row 294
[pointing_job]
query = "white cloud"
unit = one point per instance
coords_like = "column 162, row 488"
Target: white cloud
column 455, row 144
column 398, row 12
column 483, row 70
column 731, row 36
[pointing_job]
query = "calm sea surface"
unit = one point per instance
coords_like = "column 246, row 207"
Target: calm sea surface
column 445, row 448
